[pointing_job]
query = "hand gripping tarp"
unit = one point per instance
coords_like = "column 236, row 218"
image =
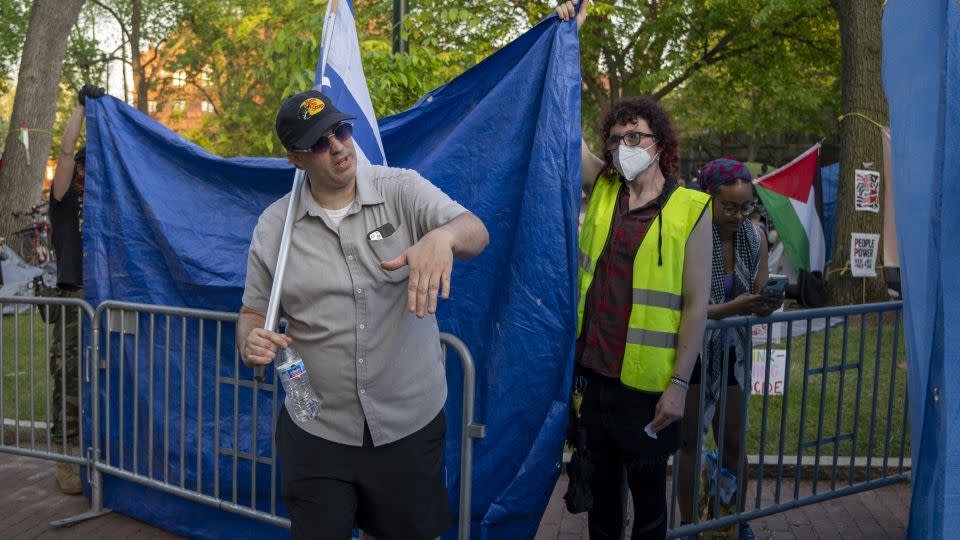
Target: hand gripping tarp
column 166, row 222
column 921, row 74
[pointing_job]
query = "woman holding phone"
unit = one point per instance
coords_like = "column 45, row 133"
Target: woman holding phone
column 738, row 276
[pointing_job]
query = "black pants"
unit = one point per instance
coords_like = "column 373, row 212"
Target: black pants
column 648, row 486
column 395, row 491
column 614, row 417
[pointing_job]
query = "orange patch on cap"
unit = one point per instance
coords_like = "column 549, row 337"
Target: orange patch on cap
column 310, row 107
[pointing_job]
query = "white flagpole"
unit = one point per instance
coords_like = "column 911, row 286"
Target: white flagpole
column 328, row 23
column 273, row 306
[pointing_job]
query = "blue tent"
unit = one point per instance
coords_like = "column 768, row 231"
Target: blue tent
column 166, row 222
column 829, row 184
column 921, row 73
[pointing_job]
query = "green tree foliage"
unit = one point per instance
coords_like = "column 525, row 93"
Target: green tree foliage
column 751, row 67
column 255, row 54
column 789, row 83
column 13, row 26
column 145, row 30
column 243, row 57
column 748, row 67
column 85, row 62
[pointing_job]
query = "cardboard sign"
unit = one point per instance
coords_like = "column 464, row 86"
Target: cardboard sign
column 867, row 191
column 863, row 254
column 758, row 378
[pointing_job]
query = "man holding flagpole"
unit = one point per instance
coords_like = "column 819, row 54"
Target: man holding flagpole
column 371, row 253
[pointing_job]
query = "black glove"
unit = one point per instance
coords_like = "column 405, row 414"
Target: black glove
column 89, row 90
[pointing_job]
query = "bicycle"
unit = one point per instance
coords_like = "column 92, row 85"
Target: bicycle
column 33, row 242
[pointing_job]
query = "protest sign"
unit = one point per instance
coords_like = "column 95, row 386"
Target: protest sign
column 759, row 382
column 867, row 191
column 863, row 254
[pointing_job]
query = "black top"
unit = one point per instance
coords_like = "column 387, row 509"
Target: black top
column 65, row 216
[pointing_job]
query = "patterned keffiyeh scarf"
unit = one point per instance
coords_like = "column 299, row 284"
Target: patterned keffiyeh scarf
column 747, row 253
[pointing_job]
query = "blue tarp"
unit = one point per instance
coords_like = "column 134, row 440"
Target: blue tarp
column 829, row 185
column 168, row 223
column 921, row 73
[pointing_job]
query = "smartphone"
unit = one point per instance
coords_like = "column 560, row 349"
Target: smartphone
column 775, row 286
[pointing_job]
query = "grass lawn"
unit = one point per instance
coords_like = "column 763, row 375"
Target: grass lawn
column 859, row 385
column 16, row 363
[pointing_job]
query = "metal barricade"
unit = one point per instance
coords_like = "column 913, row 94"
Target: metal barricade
column 44, row 366
column 151, row 351
column 840, row 429
column 836, row 426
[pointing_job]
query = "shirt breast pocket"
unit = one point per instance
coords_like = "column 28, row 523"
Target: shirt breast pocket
column 387, row 249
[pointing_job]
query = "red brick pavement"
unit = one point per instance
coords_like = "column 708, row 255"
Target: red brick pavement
column 30, row 500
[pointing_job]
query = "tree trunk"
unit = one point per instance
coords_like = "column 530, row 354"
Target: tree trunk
column 136, row 57
column 36, row 104
column 860, row 146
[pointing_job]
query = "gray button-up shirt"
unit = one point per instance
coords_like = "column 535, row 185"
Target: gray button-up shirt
column 367, row 356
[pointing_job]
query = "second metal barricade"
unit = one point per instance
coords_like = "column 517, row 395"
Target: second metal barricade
column 828, row 414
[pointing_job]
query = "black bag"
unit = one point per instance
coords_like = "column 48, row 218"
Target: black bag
column 810, row 290
column 579, row 497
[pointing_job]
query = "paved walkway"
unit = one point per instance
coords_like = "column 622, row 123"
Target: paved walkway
column 880, row 514
column 29, row 500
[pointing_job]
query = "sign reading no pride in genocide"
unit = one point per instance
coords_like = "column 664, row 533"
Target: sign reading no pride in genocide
column 758, row 377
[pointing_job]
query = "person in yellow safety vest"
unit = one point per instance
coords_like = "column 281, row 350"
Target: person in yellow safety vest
column 644, row 287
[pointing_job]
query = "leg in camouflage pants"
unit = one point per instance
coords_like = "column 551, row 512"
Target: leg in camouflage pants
column 65, row 368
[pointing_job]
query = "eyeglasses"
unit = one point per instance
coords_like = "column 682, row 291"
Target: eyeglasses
column 633, row 138
column 341, row 131
column 733, row 210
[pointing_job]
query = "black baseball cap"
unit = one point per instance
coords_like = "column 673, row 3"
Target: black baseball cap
column 305, row 117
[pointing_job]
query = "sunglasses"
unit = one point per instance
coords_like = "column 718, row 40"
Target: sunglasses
column 341, row 131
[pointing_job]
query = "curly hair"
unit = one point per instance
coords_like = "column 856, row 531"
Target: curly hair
column 627, row 110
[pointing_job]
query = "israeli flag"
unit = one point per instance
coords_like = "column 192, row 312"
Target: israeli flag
column 343, row 81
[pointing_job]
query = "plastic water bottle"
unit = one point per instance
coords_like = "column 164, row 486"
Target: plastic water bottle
column 302, row 402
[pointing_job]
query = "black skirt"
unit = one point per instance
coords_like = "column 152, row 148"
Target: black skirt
column 731, row 369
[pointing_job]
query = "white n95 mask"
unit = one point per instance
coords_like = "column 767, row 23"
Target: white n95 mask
column 631, row 161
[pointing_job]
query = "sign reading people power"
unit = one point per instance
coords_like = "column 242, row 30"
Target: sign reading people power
column 863, row 254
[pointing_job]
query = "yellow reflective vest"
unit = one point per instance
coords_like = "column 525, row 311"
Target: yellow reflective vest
column 654, row 324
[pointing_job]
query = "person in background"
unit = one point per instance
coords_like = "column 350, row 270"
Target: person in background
column 738, row 273
column 644, row 282
column 66, row 215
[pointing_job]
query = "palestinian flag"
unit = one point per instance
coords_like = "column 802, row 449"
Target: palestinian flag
column 788, row 195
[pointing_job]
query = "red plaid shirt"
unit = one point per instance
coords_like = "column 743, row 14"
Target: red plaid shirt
column 610, row 297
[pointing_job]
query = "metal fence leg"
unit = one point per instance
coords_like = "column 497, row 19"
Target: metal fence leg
column 93, row 452
column 470, row 430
